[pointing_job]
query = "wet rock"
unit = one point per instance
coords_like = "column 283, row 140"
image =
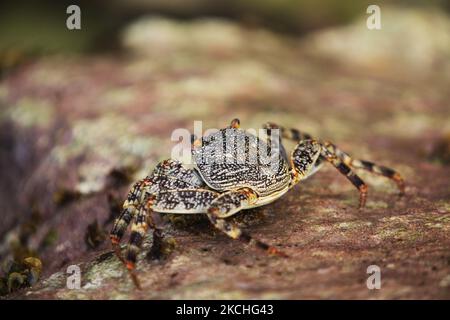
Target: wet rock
column 79, row 121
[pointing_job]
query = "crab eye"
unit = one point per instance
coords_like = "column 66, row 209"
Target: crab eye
column 235, row 123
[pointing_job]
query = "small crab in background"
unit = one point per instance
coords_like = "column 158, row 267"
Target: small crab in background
column 219, row 188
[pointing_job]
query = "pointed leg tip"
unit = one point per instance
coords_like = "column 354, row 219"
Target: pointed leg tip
column 362, row 204
column 135, row 279
column 114, row 240
column 130, row 265
column 400, row 183
column 275, row 252
column 131, row 270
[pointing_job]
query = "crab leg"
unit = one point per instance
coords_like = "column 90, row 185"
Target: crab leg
column 151, row 191
column 230, row 203
column 119, row 229
column 304, row 159
column 367, row 165
column 291, row 134
column 138, row 231
column 216, row 206
column 342, row 161
column 128, row 212
column 308, row 152
column 347, row 172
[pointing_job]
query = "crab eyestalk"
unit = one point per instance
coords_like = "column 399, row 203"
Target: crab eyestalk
column 235, row 124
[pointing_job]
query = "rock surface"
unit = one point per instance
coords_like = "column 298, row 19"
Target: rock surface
column 77, row 129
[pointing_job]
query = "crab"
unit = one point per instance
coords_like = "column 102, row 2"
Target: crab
column 224, row 179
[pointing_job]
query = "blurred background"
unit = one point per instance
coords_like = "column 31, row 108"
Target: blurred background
column 85, row 113
column 31, row 29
